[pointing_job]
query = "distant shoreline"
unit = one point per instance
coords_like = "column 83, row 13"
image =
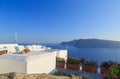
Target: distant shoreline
column 93, row 43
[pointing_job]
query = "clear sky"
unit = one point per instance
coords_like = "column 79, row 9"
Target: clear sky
column 54, row 21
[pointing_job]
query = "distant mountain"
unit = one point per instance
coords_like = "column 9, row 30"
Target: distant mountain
column 93, row 43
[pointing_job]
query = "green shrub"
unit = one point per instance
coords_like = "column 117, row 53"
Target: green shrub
column 91, row 63
column 82, row 61
column 58, row 59
column 59, row 73
column 72, row 60
column 113, row 72
column 107, row 64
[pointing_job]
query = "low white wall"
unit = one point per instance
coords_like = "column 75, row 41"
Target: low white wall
column 62, row 54
column 7, row 66
column 21, row 48
column 36, row 48
column 11, row 49
column 44, row 64
column 4, row 45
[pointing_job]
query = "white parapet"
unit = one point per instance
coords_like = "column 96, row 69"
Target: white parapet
column 62, row 54
column 7, row 45
column 21, row 48
column 29, row 47
column 11, row 49
column 37, row 47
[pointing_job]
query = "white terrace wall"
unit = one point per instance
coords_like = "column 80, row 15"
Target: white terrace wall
column 8, row 45
column 62, row 54
column 44, row 64
column 7, row 66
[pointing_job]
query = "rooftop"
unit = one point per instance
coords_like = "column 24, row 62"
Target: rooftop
column 26, row 57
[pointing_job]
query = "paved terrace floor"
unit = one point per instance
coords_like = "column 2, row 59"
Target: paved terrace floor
column 80, row 73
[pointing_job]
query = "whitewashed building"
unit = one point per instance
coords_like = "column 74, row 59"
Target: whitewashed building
column 40, row 59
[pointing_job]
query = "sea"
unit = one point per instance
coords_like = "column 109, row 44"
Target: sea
column 98, row 54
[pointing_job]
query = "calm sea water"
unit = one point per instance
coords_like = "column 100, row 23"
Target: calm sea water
column 98, row 54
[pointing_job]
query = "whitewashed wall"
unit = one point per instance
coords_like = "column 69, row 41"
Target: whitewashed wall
column 62, row 54
column 4, row 45
column 7, row 66
column 9, row 47
column 36, row 48
column 44, row 64
column 21, row 48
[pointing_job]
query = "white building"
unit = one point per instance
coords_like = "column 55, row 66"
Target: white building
column 40, row 59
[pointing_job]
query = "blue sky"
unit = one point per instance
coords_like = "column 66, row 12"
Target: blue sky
column 54, row 21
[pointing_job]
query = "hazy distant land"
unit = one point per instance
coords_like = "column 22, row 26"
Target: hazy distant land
column 93, row 43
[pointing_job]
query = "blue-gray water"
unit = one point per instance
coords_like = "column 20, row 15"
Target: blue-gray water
column 99, row 54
